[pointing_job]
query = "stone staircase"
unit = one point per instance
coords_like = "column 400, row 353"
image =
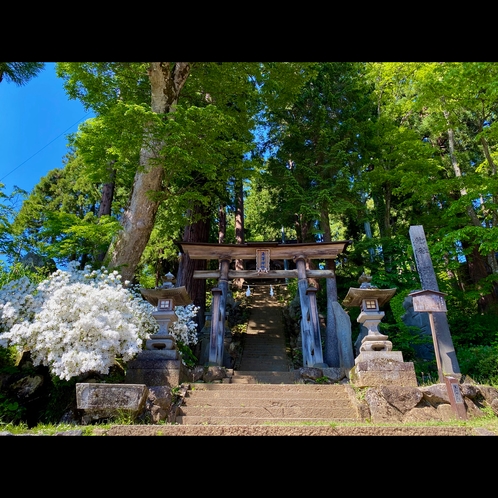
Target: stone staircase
column 261, row 404
column 264, row 389
column 264, row 357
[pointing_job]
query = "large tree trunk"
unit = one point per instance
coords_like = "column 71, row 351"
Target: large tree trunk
column 222, row 224
column 196, row 288
column 239, row 230
column 106, row 199
column 166, row 81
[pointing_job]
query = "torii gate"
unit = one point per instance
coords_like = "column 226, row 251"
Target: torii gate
column 262, row 252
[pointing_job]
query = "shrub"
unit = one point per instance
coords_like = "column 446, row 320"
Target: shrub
column 75, row 321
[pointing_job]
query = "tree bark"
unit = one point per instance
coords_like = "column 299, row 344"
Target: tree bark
column 166, row 81
column 107, row 193
column 106, row 199
column 196, row 288
column 222, row 224
column 239, row 230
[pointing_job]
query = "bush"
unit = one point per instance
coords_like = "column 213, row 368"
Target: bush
column 480, row 363
column 75, row 321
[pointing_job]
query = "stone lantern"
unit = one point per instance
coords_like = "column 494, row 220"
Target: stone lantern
column 165, row 300
column 376, row 363
column 159, row 363
column 370, row 299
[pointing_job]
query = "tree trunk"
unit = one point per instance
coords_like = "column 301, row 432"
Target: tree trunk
column 239, row 230
column 196, row 288
column 166, row 81
column 106, row 199
column 222, row 224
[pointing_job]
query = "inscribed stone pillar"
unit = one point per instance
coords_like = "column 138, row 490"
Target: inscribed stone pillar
column 449, row 362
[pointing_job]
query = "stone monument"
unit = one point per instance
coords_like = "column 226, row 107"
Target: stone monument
column 441, row 333
column 376, row 363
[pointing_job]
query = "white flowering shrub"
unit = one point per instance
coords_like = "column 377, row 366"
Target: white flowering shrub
column 75, row 321
column 184, row 330
column 16, row 304
column 185, row 333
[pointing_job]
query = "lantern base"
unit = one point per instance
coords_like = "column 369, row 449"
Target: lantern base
column 156, row 368
column 382, row 368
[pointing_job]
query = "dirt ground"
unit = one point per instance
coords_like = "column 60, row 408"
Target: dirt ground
column 260, row 430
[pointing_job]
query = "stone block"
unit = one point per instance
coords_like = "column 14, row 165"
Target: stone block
column 162, row 343
column 375, row 355
column 392, row 378
column 109, row 400
column 446, row 412
column 335, row 374
column 383, row 364
column 152, row 358
column 383, row 372
column 153, row 377
column 155, row 373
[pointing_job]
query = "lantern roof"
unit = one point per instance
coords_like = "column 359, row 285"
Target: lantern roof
column 356, row 296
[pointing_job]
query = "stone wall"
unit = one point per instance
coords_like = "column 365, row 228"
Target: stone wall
column 423, row 404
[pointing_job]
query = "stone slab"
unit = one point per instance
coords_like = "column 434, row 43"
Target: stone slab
column 154, row 377
column 375, row 355
column 383, row 364
column 99, row 401
column 377, row 379
column 155, row 359
column 122, row 396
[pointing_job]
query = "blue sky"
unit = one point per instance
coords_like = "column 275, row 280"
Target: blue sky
column 35, row 120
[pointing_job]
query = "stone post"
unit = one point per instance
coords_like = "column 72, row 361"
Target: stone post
column 217, row 330
column 441, row 334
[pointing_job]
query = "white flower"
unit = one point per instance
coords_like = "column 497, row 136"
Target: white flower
column 75, row 321
column 185, row 328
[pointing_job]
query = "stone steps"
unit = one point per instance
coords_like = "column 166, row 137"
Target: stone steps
column 256, row 404
column 264, row 343
column 283, row 376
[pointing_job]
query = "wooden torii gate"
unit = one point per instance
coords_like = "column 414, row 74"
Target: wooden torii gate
column 263, row 252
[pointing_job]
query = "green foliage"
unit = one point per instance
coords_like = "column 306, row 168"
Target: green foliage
column 7, row 359
column 99, row 85
column 61, row 399
column 19, row 73
column 469, row 330
column 188, row 357
column 72, row 236
column 403, row 338
column 480, row 363
column 10, row 409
